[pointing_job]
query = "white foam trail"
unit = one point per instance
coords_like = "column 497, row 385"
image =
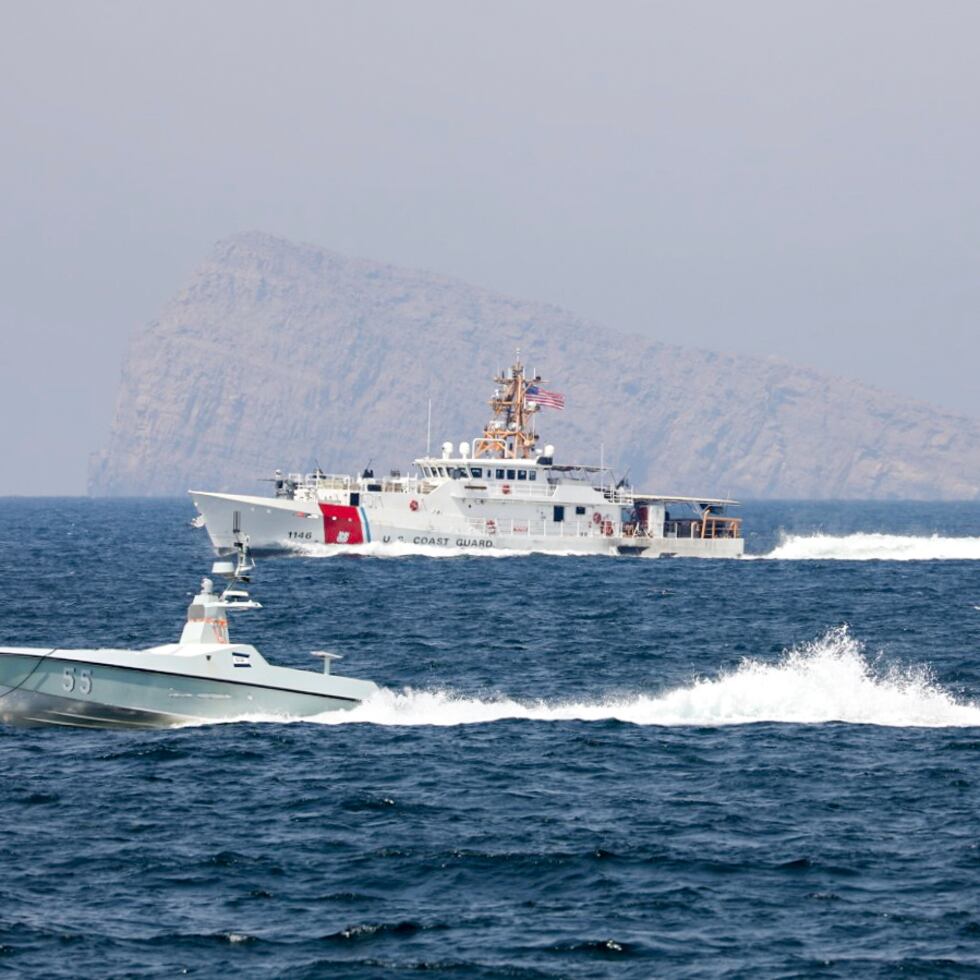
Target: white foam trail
column 831, row 679
column 399, row 549
column 873, row 546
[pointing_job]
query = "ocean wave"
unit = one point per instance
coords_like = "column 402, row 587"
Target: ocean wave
column 832, row 679
column 874, row 547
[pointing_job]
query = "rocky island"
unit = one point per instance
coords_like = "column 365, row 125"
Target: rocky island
column 279, row 354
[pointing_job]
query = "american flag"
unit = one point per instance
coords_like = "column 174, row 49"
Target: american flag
column 549, row 399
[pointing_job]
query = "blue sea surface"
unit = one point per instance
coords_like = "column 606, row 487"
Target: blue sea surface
column 578, row 767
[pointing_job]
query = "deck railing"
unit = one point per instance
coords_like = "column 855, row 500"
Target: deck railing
column 346, row 484
column 728, row 527
column 712, row 526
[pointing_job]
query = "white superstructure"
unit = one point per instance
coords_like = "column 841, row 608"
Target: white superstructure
column 499, row 492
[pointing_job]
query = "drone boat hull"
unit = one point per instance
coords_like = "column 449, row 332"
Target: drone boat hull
column 161, row 688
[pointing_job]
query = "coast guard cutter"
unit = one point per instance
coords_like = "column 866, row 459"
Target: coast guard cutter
column 499, row 492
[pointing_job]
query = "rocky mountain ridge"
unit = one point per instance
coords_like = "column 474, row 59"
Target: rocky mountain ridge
column 278, row 355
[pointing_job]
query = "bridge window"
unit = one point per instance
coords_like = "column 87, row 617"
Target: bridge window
column 510, row 475
column 522, row 474
column 500, row 474
column 532, row 474
column 477, row 472
column 559, row 513
column 579, row 511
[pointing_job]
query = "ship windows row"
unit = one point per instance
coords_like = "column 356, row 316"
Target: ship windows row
column 479, row 473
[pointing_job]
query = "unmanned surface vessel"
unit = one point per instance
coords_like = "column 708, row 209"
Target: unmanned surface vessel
column 500, row 492
column 202, row 678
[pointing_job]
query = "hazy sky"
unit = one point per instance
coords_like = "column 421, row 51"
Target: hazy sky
column 794, row 178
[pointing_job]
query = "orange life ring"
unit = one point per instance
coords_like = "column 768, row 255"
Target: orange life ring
column 505, row 488
column 491, row 526
column 597, row 518
column 413, row 505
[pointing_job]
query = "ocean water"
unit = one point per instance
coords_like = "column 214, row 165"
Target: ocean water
column 577, row 767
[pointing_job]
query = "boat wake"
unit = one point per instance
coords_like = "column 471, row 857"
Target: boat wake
column 829, row 680
column 398, row 549
column 873, row 547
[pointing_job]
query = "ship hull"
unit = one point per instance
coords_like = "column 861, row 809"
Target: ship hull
column 38, row 687
column 274, row 526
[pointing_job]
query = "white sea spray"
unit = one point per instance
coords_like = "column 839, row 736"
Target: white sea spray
column 873, row 546
column 832, row 679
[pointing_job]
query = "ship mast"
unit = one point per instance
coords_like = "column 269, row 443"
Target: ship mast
column 510, row 433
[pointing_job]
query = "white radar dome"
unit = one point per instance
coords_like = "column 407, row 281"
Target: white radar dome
column 464, row 450
column 549, row 450
column 447, row 450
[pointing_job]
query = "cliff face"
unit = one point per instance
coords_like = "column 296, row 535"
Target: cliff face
column 276, row 355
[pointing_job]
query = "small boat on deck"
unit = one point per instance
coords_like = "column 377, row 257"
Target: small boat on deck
column 204, row 677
